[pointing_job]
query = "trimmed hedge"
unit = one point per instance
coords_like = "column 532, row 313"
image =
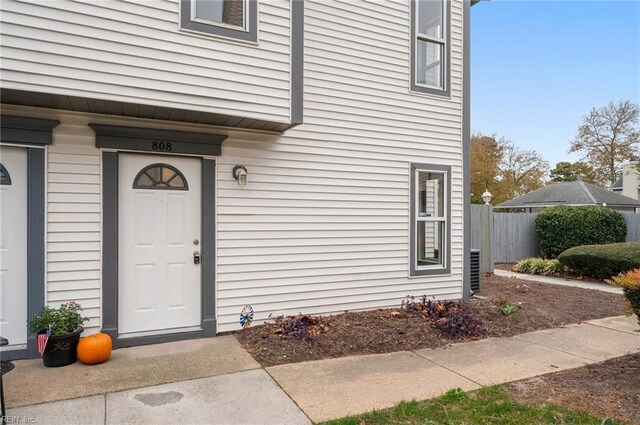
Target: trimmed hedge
column 560, row 228
column 602, row 261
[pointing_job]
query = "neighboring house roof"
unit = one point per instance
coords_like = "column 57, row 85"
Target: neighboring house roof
column 570, row 193
column 617, row 185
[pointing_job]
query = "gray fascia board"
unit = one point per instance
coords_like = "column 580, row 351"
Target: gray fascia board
column 137, row 110
column 297, row 61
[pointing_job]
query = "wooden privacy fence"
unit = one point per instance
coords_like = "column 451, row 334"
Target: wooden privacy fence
column 482, row 235
column 510, row 237
column 633, row 227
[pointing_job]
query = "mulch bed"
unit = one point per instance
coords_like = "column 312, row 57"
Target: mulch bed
column 541, row 306
column 608, row 389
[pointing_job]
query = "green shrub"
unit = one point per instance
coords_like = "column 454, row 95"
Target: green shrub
column 630, row 284
column 602, row 261
column 540, row 266
column 561, row 228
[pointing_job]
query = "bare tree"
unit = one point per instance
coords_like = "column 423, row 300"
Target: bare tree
column 521, row 171
column 609, row 136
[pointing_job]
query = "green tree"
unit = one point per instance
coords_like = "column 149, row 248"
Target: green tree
column 486, row 154
column 608, row 137
column 572, row 171
column 502, row 168
column 521, row 171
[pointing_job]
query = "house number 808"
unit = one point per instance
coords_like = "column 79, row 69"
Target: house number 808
column 161, row 146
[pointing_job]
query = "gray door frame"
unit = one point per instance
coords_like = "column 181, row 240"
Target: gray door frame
column 122, row 140
column 33, row 134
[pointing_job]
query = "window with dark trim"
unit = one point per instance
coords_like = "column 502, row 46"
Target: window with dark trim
column 430, row 219
column 226, row 18
column 5, row 178
column 430, row 46
column 160, row 176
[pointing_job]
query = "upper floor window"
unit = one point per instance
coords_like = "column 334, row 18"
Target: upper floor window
column 430, row 46
column 226, row 18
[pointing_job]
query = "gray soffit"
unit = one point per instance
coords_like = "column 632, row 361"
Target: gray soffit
column 134, row 110
column 570, row 193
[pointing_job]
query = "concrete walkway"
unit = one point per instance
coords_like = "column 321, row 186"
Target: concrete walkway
column 333, row 388
column 560, row 281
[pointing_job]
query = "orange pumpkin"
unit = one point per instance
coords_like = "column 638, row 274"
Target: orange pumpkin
column 94, row 349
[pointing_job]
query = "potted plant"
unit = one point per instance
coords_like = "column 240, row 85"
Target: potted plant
column 64, row 326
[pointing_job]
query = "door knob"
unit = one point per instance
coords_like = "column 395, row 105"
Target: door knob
column 196, row 257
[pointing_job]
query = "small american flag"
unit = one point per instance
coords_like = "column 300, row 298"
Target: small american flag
column 42, row 341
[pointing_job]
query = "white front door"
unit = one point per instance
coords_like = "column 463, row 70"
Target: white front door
column 159, row 231
column 13, row 245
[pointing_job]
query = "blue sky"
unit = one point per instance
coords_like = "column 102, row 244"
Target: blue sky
column 539, row 66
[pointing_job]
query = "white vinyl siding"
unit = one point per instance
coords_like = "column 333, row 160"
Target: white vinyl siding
column 323, row 224
column 135, row 52
column 73, row 256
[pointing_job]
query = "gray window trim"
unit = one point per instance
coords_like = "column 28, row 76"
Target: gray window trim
column 250, row 33
column 414, row 87
column 413, row 270
column 34, row 133
column 110, row 257
column 135, row 184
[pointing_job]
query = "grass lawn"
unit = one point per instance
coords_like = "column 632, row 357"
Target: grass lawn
column 489, row 405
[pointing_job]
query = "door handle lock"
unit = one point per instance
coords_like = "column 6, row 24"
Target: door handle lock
column 196, row 257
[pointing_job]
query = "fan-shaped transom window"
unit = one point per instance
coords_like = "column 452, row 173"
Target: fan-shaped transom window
column 5, row 178
column 160, row 176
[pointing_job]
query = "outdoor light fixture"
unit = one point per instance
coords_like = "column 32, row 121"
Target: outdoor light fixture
column 486, row 197
column 240, row 174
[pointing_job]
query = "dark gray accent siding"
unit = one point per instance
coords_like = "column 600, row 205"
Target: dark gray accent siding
column 412, row 227
column 154, row 140
column 35, row 240
column 208, row 271
column 466, row 150
column 447, row 52
column 297, row 61
column 128, row 109
column 27, row 131
column 250, row 34
column 110, row 245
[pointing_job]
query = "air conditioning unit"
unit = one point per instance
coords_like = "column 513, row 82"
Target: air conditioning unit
column 475, row 270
